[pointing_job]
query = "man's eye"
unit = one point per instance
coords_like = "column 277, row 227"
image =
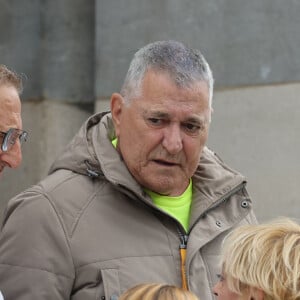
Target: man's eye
column 192, row 127
column 13, row 137
column 155, row 121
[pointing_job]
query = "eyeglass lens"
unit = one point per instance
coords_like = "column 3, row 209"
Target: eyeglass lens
column 11, row 136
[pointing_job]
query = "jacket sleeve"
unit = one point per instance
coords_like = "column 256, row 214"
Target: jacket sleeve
column 35, row 258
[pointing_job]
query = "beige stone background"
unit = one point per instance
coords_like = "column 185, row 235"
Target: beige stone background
column 75, row 54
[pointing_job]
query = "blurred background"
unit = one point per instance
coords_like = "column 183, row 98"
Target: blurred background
column 75, row 54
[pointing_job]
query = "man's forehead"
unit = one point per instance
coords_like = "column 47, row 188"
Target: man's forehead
column 159, row 87
column 9, row 99
column 10, row 109
column 7, row 104
column 167, row 114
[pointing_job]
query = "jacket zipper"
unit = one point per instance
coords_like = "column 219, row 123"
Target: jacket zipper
column 184, row 237
column 182, row 252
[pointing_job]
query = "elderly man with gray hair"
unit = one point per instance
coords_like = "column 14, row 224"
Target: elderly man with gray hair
column 135, row 197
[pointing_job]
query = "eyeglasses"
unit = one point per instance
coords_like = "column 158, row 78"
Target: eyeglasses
column 10, row 137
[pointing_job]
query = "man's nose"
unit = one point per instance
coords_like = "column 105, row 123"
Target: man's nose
column 172, row 141
column 13, row 157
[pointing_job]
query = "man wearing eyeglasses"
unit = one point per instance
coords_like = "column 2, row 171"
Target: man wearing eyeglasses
column 11, row 133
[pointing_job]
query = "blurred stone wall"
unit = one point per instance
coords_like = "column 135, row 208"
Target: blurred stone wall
column 75, row 53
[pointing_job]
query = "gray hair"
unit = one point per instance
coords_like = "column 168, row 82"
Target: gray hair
column 10, row 77
column 185, row 66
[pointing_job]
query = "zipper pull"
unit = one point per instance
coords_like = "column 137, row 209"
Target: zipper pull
column 183, row 240
column 182, row 251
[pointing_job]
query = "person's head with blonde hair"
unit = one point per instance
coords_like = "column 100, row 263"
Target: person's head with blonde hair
column 261, row 262
column 156, row 291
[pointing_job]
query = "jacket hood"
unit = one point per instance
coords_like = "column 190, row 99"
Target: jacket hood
column 80, row 155
column 91, row 153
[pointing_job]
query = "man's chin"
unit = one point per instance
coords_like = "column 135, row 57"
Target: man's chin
column 166, row 188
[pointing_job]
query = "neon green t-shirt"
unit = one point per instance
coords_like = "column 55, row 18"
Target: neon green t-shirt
column 114, row 142
column 178, row 207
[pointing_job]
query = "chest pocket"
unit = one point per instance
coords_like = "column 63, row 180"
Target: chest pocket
column 111, row 285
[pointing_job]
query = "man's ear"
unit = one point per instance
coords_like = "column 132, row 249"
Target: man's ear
column 256, row 294
column 116, row 106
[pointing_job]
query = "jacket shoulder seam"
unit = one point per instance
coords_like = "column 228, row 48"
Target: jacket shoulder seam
column 83, row 208
column 47, row 197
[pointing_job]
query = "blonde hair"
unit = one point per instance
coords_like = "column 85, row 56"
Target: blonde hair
column 266, row 257
column 155, row 291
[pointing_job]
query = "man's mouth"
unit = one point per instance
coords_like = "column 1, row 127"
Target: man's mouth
column 165, row 163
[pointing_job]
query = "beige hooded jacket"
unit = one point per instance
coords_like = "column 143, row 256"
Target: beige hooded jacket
column 88, row 230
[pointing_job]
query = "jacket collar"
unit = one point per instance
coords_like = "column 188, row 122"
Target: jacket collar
column 91, row 153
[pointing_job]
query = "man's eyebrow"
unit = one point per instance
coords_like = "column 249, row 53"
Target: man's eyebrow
column 196, row 119
column 155, row 114
column 164, row 115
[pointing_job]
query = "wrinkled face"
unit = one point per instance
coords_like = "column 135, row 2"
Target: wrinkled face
column 162, row 132
column 10, row 117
